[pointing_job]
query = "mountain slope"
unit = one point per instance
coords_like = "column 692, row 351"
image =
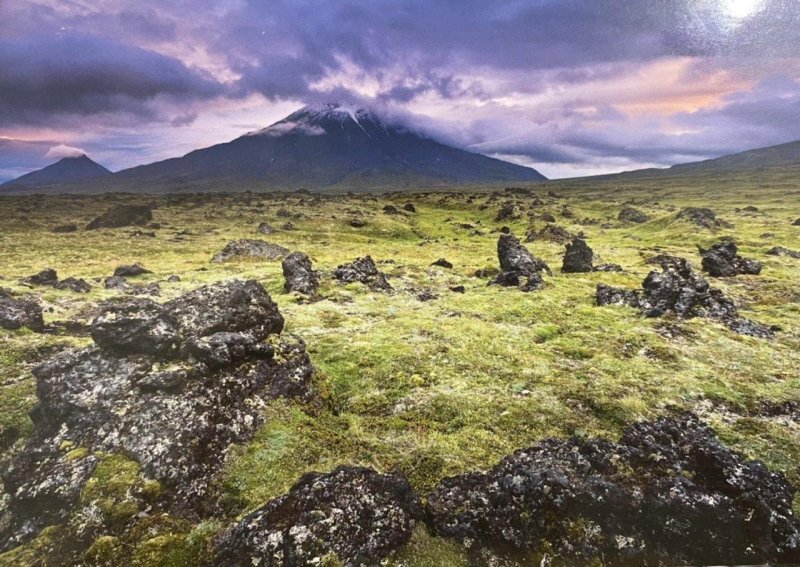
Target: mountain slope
column 322, row 147
column 783, row 155
column 66, row 170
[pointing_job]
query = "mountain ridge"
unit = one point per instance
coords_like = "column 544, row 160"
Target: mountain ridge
column 65, row 170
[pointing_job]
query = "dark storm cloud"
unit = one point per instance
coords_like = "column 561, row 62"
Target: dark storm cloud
column 43, row 81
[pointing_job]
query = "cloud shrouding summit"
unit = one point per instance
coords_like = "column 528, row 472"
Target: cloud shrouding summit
column 567, row 86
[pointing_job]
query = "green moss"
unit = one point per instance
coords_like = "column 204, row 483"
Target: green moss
column 117, row 488
column 424, row 550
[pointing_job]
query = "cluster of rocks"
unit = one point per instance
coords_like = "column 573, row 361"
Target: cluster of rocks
column 722, row 260
column 702, row 217
column 667, row 493
column 629, row 214
column 17, row 312
column 121, row 216
column 49, row 277
column 170, row 386
column 579, row 258
column 550, row 233
column 251, row 249
column 518, row 267
column 365, row 271
column 680, row 291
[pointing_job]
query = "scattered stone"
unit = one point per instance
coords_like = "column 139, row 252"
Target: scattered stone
column 131, row 270
column 679, row 290
column 174, row 279
column 175, row 411
column 78, row 285
column 48, row 277
column 550, row 233
column 410, row 208
column 751, row 209
column 667, row 493
column 577, row 258
column 781, row 251
column 265, row 228
column 629, row 214
column 458, row 289
column 507, row 212
column 608, row 268
column 702, row 217
column 514, row 257
column 391, row 210
column 722, row 260
column 362, row 270
column 553, row 194
column 283, row 213
column 288, row 226
column 351, row 516
column 426, row 295
column 796, row 223
column 122, row 215
column 357, row 223
column 547, row 217
column 442, row 263
column 249, row 248
column 65, row 228
column 300, row 275
column 16, row 313
column 119, row 283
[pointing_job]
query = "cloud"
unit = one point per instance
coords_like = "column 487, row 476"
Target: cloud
column 64, row 151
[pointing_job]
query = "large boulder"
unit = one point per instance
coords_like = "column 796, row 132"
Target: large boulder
column 668, row 493
column 252, row 249
column 514, row 257
column 352, row 516
column 365, row 271
column 782, row 251
column 174, row 410
column 702, row 217
column 18, row 312
column 723, row 260
column 578, row 257
column 300, row 275
column 122, row 215
column 678, row 290
column 130, row 270
column 629, row 214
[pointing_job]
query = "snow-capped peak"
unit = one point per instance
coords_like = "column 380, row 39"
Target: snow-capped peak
column 311, row 120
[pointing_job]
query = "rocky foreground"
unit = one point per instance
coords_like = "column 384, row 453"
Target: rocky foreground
column 172, row 387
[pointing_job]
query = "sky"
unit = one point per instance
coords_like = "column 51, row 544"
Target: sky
column 570, row 87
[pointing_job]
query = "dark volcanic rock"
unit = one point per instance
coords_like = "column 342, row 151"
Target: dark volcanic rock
column 629, row 214
column 551, row 233
column 702, row 217
column 722, row 260
column 47, row 276
column 578, row 257
column 16, row 313
column 78, row 285
column 391, row 210
column 265, row 228
column 796, row 222
column 131, row 270
column 249, row 248
column 507, row 212
column 176, row 412
column 300, row 275
column 514, row 257
column 442, row 263
column 357, row 223
column 668, row 493
column 362, row 270
column 678, row 290
column 352, row 516
column 409, row 208
column 65, row 228
column 122, row 215
column 781, row 251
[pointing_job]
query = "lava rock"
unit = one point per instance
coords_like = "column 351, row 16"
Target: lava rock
column 265, row 228
column 702, row 217
column 442, row 263
column 357, row 223
column 365, row 271
column 65, row 228
column 131, row 270
column 391, row 210
column 514, row 257
column 249, row 248
column 678, row 290
column 300, row 275
column 78, row 285
column 353, row 516
column 409, row 208
column 136, row 326
column 122, row 215
column 16, row 313
column 781, row 251
column 507, row 212
column 47, row 277
column 722, row 260
column 796, row 222
column 458, row 289
column 551, row 233
column 667, row 493
column 629, row 214
column 577, row 258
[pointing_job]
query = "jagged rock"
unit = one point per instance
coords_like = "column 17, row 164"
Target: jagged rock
column 514, row 257
column 391, row 210
column 357, row 223
column 781, row 251
column 722, row 260
column 119, row 283
column 65, row 228
column 300, row 275
column 175, row 411
column 47, row 277
column 458, row 289
column 678, row 290
column 507, row 212
column 249, row 248
column 131, row 270
column 365, row 271
column 668, row 493
column 122, row 215
column 551, row 233
column 547, row 217
column 352, row 516
column 16, row 313
column 265, row 228
column 409, row 208
column 796, row 223
column 578, row 257
column 78, row 285
column 629, row 214
column 702, row 217
column 442, row 263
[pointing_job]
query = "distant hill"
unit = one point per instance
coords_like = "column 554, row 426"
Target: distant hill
column 66, row 170
column 319, row 148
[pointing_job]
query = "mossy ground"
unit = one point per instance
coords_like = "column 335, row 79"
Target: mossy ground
column 450, row 385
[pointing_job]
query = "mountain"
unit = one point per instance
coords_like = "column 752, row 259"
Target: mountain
column 323, row 147
column 66, row 170
column 783, row 155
